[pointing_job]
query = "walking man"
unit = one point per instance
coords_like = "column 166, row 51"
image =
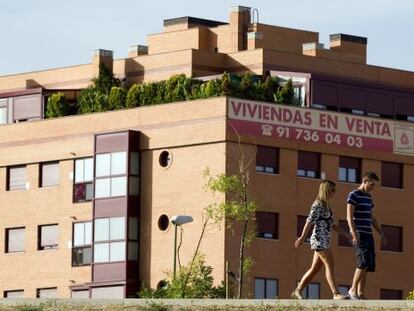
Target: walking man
column 360, row 217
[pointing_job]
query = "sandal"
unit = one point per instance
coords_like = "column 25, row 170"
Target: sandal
column 337, row 296
column 297, row 294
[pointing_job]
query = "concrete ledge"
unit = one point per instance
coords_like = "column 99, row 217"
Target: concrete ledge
column 216, row 303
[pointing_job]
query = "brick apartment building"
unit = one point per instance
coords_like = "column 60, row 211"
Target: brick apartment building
column 86, row 200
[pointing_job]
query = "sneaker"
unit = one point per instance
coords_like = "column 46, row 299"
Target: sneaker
column 352, row 296
column 296, row 294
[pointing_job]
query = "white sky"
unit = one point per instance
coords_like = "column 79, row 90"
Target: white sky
column 37, row 35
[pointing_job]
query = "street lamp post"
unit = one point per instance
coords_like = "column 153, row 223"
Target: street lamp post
column 178, row 220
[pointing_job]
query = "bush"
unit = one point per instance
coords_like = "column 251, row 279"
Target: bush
column 105, row 92
column 95, row 98
column 117, row 98
column 57, row 106
column 133, row 96
column 411, row 295
column 189, row 282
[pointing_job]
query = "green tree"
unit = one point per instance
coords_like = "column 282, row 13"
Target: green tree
column 247, row 87
column 117, row 98
column 95, row 98
column 91, row 100
column 411, row 295
column 286, row 94
column 133, row 97
column 105, row 80
column 237, row 208
column 57, row 106
column 270, row 87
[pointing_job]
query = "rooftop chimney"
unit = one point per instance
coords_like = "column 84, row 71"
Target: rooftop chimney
column 100, row 56
column 349, row 48
column 239, row 21
column 137, row 50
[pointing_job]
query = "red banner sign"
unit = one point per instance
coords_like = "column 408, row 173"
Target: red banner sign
column 321, row 126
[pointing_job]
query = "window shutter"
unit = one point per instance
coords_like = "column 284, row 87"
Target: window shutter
column 17, row 178
column 49, row 236
column 50, row 174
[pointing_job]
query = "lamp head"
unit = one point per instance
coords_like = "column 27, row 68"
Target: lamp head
column 179, row 220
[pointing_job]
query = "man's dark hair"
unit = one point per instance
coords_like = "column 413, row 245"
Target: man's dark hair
column 370, row 175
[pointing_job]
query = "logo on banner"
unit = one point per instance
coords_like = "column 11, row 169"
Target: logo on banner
column 404, row 139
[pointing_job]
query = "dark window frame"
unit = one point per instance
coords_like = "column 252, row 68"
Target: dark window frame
column 267, row 235
column 78, row 248
column 263, row 164
column 303, row 167
column 306, row 290
column 384, row 291
column 112, row 176
column 400, row 246
column 353, row 163
column 12, row 291
column 8, row 177
column 384, row 178
column 81, row 187
column 7, row 238
column 111, row 241
column 265, row 286
column 39, row 238
column 41, row 179
column 43, row 288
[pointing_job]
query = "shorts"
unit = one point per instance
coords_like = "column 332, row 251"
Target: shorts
column 365, row 252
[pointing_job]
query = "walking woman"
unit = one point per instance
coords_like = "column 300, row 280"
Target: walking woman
column 321, row 217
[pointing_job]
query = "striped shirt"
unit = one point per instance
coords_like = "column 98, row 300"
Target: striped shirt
column 363, row 206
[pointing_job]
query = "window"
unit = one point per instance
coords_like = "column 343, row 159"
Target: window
column 392, row 175
column 133, row 238
column 134, row 173
column 109, row 239
column 265, row 288
column 308, row 164
column 390, row 294
column 349, row 169
column 80, row 294
column 319, row 106
column 343, row 289
column 15, row 240
column 394, row 236
column 267, row 160
column 19, row 293
column 48, row 237
column 357, row 111
column 49, row 175
column 299, row 228
column 267, row 225
column 16, row 178
column 343, row 241
column 3, row 114
column 50, row 292
column 82, row 187
column 111, row 166
column 312, row 291
column 108, row 292
column 82, row 244
column 374, row 114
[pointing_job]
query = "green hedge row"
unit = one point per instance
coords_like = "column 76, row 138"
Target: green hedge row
column 105, row 93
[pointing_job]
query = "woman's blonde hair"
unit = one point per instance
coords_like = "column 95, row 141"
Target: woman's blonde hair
column 324, row 188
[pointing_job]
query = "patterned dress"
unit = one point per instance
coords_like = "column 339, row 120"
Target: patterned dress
column 321, row 217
